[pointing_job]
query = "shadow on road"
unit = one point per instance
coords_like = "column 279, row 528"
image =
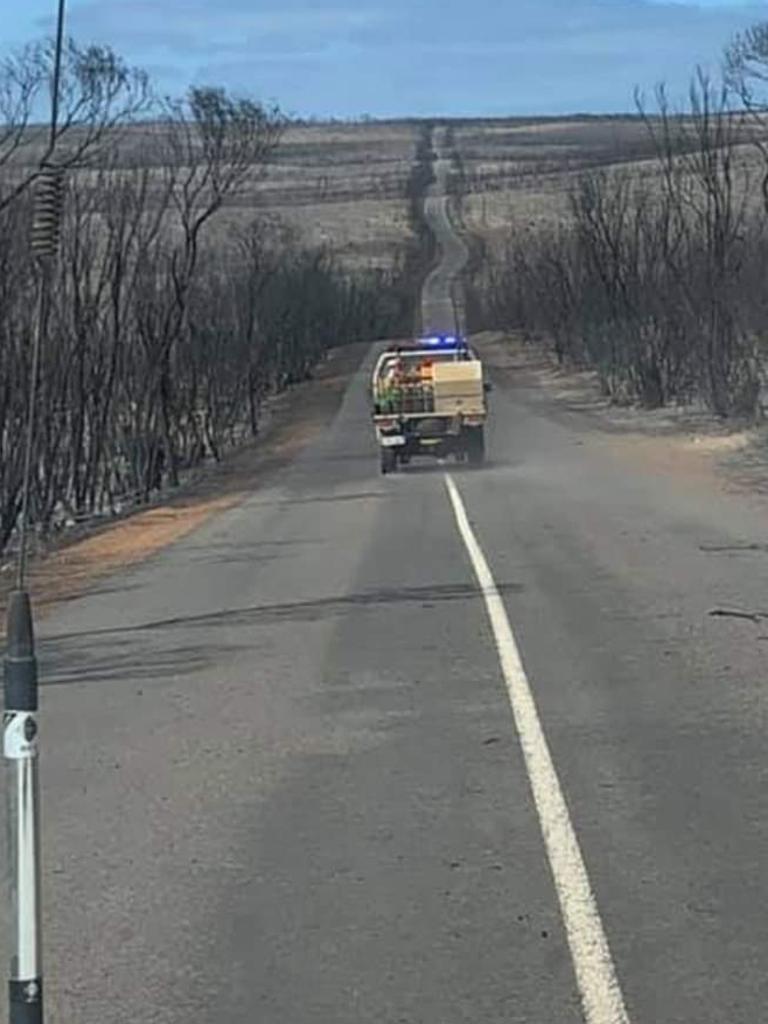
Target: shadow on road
column 454, row 468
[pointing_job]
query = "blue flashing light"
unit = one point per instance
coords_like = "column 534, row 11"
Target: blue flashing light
column 444, row 341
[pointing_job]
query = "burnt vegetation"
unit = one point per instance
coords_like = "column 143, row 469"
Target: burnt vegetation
column 162, row 338
column 655, row 277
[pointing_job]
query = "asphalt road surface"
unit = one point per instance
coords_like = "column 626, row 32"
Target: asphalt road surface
column 438, row 311
column 445, row 746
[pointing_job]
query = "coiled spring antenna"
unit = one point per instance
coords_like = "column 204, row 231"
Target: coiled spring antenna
column 44, row 242
column 46, row 219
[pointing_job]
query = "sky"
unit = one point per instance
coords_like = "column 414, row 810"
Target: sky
column 348, row 58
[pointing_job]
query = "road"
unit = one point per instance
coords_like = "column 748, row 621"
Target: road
column 296, row 772
column 438, row 314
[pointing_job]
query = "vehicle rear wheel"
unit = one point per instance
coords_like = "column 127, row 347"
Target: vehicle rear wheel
column 475, row 446
column 388, row 460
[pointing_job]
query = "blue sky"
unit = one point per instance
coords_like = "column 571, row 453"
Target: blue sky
column 419, row 57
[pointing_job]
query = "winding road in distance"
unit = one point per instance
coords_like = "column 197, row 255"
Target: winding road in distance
column 447, row 747
column 438, row 313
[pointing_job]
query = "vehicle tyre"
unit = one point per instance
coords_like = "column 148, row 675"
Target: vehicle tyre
column 475, row 446
column 388, row 460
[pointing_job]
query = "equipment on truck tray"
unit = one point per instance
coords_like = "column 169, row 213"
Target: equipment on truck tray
column 429, row 399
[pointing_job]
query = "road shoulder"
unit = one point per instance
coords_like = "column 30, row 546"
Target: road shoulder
column 686, row 443
column 78, row 561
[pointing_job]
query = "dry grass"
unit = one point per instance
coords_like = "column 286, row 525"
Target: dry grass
column 337, row 185
column 341, row 186
column 520, row 173
column 362, row 233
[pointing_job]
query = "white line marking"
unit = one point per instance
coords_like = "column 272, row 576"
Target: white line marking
column 598, row 985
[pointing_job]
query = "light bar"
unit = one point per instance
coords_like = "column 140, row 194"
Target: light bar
column 443, row 341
